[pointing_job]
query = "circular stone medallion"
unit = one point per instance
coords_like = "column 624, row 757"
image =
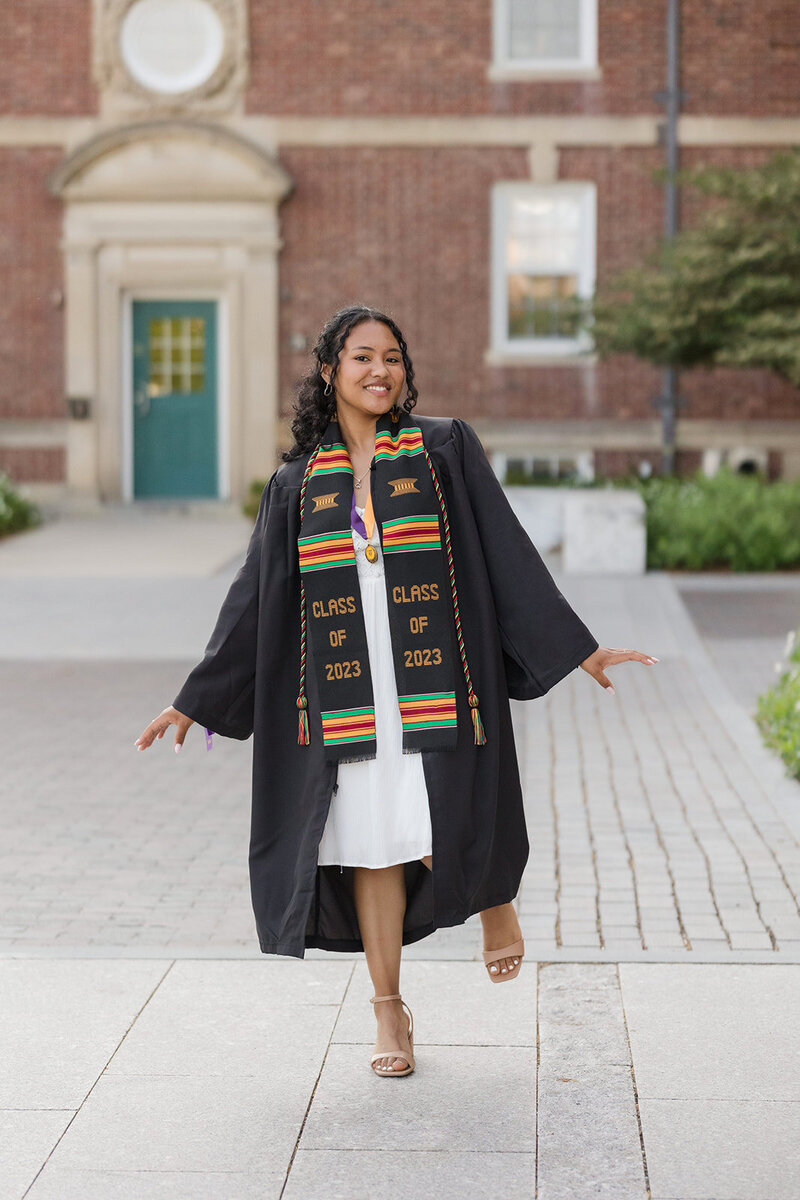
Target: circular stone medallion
column 171, row 46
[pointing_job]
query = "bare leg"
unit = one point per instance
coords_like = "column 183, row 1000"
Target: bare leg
column 428, row 860
column 380, row 899
column 500, row 928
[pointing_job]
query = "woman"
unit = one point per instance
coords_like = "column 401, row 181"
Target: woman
column 389, row 605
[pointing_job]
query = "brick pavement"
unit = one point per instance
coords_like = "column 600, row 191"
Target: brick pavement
column 654, row 825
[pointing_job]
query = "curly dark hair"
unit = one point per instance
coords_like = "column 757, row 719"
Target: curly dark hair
column 314, row 409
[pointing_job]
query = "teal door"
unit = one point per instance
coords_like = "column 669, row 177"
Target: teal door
column 174, row 398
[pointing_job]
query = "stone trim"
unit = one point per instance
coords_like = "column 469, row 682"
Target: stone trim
column 543, row 74
column 266, row 177
column 31, row 433
column 551, row 131
column 531, row 436
column 121, row 94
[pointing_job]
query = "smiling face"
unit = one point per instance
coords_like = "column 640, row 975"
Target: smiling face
column 371, row 372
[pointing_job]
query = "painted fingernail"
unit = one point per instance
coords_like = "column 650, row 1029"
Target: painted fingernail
column 611, row 690
column 493, row 970
column 654, row 659
column 177, row 747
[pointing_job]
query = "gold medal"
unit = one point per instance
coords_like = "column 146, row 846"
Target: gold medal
column 371, row 553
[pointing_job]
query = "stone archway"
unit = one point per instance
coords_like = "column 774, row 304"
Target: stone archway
column 170, row 209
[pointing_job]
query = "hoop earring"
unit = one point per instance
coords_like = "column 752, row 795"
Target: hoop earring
column 328, row 389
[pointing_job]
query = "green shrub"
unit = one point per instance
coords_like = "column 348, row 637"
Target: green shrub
column 737, row 521
column 778, row 711
column 16, row 514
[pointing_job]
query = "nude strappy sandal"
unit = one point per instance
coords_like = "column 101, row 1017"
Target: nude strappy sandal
column 515, row 950
column 385, row 1072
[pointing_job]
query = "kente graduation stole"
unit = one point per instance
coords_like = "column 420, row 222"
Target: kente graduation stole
column 411, row 515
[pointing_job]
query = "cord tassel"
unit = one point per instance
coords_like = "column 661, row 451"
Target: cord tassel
column 477, row 723
column 303, row 736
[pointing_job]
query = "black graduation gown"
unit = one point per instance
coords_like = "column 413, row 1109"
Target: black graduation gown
column 521, row 638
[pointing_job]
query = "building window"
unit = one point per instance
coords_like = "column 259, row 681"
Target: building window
column 543, row 36
column 543, row 248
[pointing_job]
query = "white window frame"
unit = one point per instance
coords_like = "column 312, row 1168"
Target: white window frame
column 559, row 348
column 505, row 66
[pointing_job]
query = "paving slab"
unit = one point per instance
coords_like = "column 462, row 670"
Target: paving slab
column 65, row 1184
column 233, row 1018
column 453, row 1003
column 727, row 1032
column 398, row 1175
column 722, row 1149
column 189, row 1123
column 585, row 1093
column 151, row 541
column 62, row 1021
column 459, row 1098
column 27, row 1137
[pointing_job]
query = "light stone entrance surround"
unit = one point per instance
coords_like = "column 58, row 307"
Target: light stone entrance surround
column 170, row 209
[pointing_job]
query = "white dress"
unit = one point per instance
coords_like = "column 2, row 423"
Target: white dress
column 379, row 815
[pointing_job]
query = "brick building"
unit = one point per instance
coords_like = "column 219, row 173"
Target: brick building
column 188, row 188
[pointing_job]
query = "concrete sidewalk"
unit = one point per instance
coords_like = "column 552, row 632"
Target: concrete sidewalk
column 229, row 1080
column 649, row 1048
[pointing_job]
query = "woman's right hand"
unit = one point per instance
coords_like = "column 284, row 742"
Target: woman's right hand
column 158, row 727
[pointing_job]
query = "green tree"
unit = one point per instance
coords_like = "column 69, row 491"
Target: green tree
column 725, row 293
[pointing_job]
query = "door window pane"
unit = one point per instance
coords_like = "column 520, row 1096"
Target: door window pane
column 177, row 355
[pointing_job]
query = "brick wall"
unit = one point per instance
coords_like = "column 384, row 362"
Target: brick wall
column 430, row 57
column 45, row 52
column 31, row 322
column 44, row 464
column 740, row 57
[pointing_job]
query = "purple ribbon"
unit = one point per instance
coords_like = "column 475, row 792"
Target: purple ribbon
column 209, row 736
column 356, row 521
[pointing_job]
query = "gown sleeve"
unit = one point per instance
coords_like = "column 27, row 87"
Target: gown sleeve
column 219, row 691
column 543, row 639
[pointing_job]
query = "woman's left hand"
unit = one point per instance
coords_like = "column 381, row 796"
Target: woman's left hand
column 604, row 657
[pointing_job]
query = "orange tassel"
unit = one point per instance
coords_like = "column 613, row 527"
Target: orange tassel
column 477, row 723
column 303, row 735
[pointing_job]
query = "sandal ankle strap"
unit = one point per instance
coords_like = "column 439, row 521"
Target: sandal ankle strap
column 397, row 996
